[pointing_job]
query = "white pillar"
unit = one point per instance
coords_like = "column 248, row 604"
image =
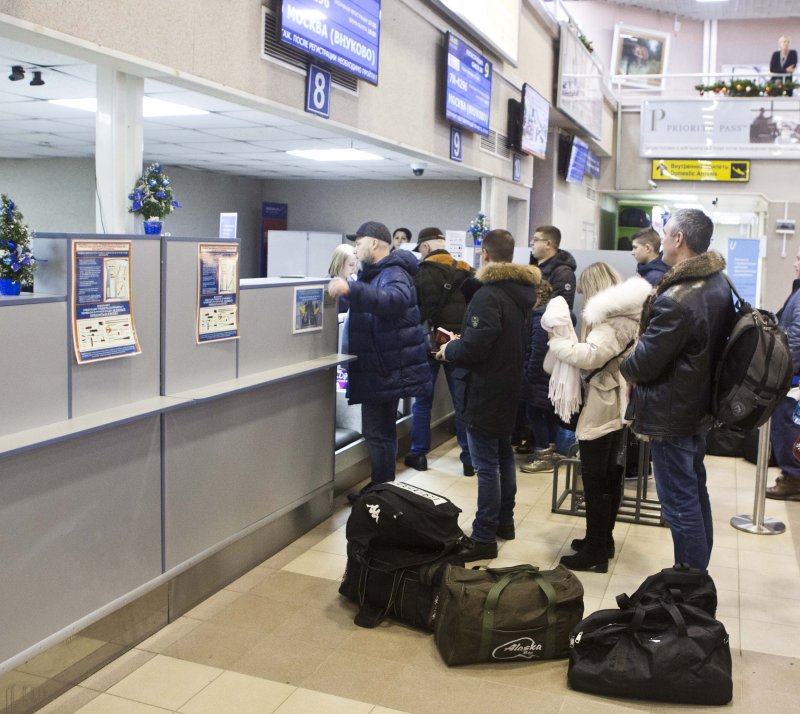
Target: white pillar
column 118, row 148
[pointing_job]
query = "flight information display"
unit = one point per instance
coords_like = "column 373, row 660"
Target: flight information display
column 468, row 92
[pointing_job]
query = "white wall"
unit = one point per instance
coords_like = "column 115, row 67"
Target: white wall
column 342, row 206
column 54, row 195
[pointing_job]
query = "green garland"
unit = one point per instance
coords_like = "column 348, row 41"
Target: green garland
column 749, row 88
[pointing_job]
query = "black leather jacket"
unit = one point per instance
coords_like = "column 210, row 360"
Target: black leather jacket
column 684, row 329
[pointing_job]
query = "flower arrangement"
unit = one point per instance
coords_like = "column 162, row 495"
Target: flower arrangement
column 16, row 259
column 152, row 196
column 749, row 88
column 478, row 227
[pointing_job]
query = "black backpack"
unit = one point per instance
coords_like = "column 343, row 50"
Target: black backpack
column 755, row 371
column 680, row 583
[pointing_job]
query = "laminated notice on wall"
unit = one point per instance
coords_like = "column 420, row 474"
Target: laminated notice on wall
column 217, row 292
column 102, row 314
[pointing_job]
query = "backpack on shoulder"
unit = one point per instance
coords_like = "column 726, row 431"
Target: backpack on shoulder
column 755, row 371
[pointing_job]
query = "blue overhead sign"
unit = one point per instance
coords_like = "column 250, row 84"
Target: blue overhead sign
column 345, row 33
column 468, row 94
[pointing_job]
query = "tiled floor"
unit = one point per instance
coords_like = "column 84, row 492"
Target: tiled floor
column 280, row 639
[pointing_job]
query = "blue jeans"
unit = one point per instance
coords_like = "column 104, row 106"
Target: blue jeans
column 493, row 460
column 379, row 429
column 421, row 415
column 543, row 424
column 681, row 485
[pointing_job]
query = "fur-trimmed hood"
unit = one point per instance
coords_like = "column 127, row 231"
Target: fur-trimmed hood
column 623, row 300
column 698, row 266
column 495, row 272
column 703, row 265
column 443, row 258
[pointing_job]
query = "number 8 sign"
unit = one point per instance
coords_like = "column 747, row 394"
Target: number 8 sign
column 318, row 91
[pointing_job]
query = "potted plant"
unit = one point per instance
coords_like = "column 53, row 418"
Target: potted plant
column 17, row 262
column 152, row 198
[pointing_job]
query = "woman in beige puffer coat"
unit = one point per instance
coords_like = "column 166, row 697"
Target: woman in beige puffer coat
column 609, row 326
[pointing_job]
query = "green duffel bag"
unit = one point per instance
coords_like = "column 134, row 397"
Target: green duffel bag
column 506, row 614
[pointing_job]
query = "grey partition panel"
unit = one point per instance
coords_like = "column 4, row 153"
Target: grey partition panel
column 33, row 355
column 233, row 461
column 80, row 527
column 188, row 365
column 266, row 341
column 111, row 383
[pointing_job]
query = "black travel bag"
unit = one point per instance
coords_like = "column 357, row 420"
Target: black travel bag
column 663, row 651
column 506, row 614
column 680, row 583
column 417, row 524
column 407, row 594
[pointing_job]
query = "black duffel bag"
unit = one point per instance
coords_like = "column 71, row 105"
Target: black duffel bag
column 418, row 524
column 405, row 594
column 506, row 614
column 664, row 651
column 680, row 583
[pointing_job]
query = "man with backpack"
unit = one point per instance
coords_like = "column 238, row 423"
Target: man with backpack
column 441, row 304
column 684, row 329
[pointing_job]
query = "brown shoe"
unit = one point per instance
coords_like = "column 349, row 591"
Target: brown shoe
column 786, row 488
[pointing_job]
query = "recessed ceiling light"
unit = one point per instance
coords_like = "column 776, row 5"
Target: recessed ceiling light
column 150, row 107
column 335, row 155
column 712, row 0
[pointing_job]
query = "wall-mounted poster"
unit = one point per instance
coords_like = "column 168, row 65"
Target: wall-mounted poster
column 307, row 309
column 637, row 53
column 217, row 292
column 102, row 317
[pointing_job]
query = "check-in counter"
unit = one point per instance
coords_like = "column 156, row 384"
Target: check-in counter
column 132, row 488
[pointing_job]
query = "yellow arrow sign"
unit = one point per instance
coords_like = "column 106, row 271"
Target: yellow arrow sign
column 700, row 170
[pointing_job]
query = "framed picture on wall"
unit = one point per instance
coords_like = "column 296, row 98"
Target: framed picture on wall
column 637, row 53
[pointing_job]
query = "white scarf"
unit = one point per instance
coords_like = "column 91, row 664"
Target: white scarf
column 565, row 379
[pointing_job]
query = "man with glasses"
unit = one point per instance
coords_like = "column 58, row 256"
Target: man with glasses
column 557, row 266
column 386, row 336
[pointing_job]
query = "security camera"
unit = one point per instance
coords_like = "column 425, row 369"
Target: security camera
column 417, row 169
column 652, row 184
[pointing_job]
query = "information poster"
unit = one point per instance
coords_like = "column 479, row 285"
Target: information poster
column 743, row 266
column 456, row 241
column 217, row 292
column 102, row 318
column 307, row 309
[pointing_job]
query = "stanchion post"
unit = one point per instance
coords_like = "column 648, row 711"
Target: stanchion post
column 758, row 524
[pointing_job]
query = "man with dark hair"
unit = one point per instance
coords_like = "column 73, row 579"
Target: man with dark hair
column 646, row 252
column 385, row 334
column 441, row 304
column 557, row 266
column 488, row 357
column 685, row 325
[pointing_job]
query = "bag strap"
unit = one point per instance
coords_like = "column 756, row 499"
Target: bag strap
column 447, row 288
column 492, row 599
column 597, row 371
column 734, row 290
column 641, row 612
column 370, row 615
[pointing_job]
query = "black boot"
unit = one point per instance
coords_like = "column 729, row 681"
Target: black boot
column 611, row 550
column 594, row 554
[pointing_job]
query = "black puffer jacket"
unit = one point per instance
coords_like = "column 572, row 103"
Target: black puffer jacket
column 684, row 329
column 433, row 273
column 490, row 354
column 559, row 271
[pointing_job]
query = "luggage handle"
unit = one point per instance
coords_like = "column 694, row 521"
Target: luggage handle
column 641, row 612
column 368, row 615
column 493, row 598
